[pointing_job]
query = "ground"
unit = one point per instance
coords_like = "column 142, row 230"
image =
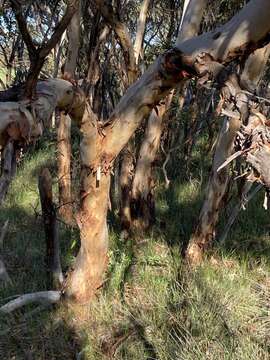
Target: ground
column 151, row 305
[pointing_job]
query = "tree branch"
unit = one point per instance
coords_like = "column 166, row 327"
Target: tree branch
column 17, row 9
column 72, row 7
column 42, row 297
column 123, row 35
column 37, row 55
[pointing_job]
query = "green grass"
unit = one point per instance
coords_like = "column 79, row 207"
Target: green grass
column 151, row 306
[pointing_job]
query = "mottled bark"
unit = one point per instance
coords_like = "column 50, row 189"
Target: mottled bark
column 136, row 105
column 73, row 35
column 91, row 260
column 205, row 230
column 64, row 126
column 140, row 30
column 142, row 197
column 131, row 56
column 191, row 19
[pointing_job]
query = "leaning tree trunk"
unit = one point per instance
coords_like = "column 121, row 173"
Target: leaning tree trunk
column 142, row 197
column 64, row 126
column 100, row 148
column 205, row 230
column 142, row 193
column 131, row 56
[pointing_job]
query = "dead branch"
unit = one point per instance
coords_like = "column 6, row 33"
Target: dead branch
column 42, row 297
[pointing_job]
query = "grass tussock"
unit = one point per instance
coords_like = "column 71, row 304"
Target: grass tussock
column 151, row 305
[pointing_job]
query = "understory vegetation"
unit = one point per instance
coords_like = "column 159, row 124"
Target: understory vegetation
column 151, row 305
column 134, row 180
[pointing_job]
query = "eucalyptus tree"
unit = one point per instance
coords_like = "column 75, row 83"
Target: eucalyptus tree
column 205, row 56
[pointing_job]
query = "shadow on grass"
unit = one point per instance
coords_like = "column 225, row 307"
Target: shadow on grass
column 180, row 209
column 27, row 333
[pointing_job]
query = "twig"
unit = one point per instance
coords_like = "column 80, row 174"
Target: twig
column 42, row 297
column 241, row 205
column 230, row 159
column 257, row 97
column 168, row 156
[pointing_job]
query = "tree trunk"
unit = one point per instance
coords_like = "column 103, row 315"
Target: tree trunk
column 64, row 126
column 99, row 150
column 8, row 169
column 91, row 261
column 125, row 179
column 142, row 199
column 55, row 275
column 131, row 57
column 205, row 230
column 63, row 162
column 140, row 30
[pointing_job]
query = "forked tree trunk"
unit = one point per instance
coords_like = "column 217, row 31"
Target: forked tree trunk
column 64, row 126
column 99, row 148
column 205, row 230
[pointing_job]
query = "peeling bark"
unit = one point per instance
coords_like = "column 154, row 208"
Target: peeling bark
column 205, row 230
column 91, row 260
column 135, row 105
